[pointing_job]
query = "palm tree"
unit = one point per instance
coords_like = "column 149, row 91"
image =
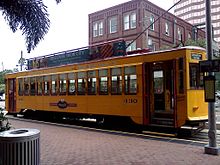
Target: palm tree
column 29, row 16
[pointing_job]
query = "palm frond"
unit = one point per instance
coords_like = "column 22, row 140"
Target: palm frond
column 58, row 1
column 30, row 16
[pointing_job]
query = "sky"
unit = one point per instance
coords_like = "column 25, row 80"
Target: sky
column 68, row 29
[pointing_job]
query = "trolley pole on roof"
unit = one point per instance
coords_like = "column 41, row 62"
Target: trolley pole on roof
column 212, row 147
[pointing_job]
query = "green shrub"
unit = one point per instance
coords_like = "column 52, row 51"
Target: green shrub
column 4, row 123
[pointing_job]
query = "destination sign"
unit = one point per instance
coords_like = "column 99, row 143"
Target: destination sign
column 195, row 56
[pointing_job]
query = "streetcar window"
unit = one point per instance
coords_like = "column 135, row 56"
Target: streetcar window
column 81, row 83
column 116, row 81
column 32, row 85
column 20, row 86
column 91, row 82
column 71, row 84
column 62, row 84
column 54, row 85
column 46, row 85
column 130, row 80
column 103, row 82
column 181, row 75
column 158, row 81
column 39, row 85
column 26, row 86
column 195, row 76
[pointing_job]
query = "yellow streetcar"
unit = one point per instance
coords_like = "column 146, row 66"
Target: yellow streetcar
column 162, row 88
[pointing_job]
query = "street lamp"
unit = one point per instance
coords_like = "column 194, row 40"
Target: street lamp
column 211, row 148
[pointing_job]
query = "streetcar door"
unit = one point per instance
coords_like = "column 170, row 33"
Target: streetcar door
column 11, row 104
column 161, row 91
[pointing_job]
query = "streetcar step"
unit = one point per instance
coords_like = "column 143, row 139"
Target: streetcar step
column 163, row 121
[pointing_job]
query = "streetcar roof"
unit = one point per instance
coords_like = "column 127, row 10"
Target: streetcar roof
column 117, row 57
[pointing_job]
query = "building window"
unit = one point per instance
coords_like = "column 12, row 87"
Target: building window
column 131, row 46
column 98, row 29
column 130, row 21
column 113, row 25
column 179, row 33
column 126, row 22
column 150, row 44
column 152, row 22
column 167, row 29
column 100, row 26
column 95, row 29
column 133, row 20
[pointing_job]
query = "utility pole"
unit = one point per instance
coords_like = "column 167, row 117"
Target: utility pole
column 212, row 147
column 21, row 61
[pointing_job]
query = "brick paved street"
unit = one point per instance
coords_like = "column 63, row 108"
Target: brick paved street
column 70, row 146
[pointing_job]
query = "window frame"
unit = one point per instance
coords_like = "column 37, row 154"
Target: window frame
column 181, row 77
column 167, row 29
column 95, row 29
column 81, row 83
column 126, row 22
column 62, row 84
column 54, row 85
column 130, row 20
column 152, row 19
column 71, row 77
column 116, row 81
column 39, row 83
column 26, row 86
column 103, row 85
column 195, row 77
column 46, row 83
column 32, row 86
column 132, row 46
column 133, row 20
column 100, row 28
column 20, row 86
column 129, row 72
column 179, row 34
column 92, row 82
column 113, row 24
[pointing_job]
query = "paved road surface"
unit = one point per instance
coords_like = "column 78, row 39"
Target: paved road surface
column 70, row 146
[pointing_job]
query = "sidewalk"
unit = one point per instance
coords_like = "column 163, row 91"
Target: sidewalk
column 70, row 146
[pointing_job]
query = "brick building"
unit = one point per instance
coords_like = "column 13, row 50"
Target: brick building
column 128, row 20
